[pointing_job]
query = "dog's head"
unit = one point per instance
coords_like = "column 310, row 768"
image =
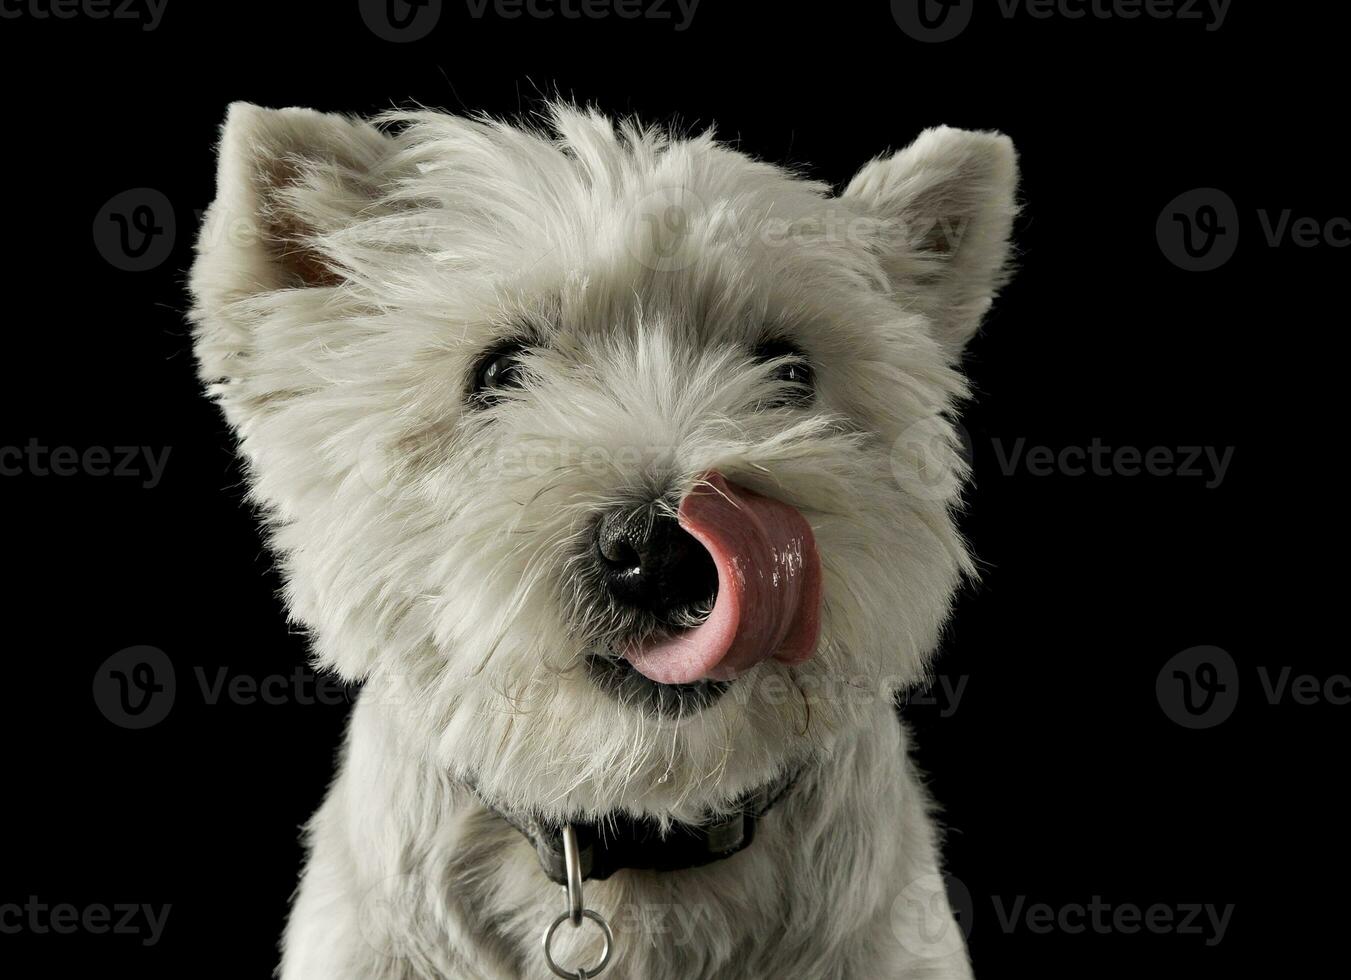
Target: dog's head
column 621, row 462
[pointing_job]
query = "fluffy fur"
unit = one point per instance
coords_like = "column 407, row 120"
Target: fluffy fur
column 349, row 275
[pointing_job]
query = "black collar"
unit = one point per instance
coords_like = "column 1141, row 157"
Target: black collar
column 622, row 841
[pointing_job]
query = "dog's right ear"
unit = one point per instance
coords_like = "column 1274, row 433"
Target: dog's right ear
column 285, row 178
column 945, row 207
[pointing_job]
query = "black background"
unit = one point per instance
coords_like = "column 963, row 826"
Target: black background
column 1061, row 776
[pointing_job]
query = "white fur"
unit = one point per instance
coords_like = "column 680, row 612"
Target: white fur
column 348, row 276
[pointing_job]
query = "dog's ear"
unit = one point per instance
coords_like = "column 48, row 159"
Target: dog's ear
column 945, row 207
column 285, row 178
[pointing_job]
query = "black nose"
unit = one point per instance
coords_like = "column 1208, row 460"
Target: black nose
column 649, row 561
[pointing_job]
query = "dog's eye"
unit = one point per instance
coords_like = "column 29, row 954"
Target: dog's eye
column 498, row 369
column 791, row 367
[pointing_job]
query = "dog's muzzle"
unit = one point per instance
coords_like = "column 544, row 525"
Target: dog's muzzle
column 745, row 563
column 648, row 561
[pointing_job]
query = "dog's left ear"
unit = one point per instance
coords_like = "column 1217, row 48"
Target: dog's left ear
column 285, row 178
column 946, row 206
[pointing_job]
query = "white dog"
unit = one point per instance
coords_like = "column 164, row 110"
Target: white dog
column 618, row 466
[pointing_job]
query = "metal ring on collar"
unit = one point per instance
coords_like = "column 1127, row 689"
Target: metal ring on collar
column 587, row 973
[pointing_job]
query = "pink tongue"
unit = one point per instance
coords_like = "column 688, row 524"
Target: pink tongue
column 769, row 588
